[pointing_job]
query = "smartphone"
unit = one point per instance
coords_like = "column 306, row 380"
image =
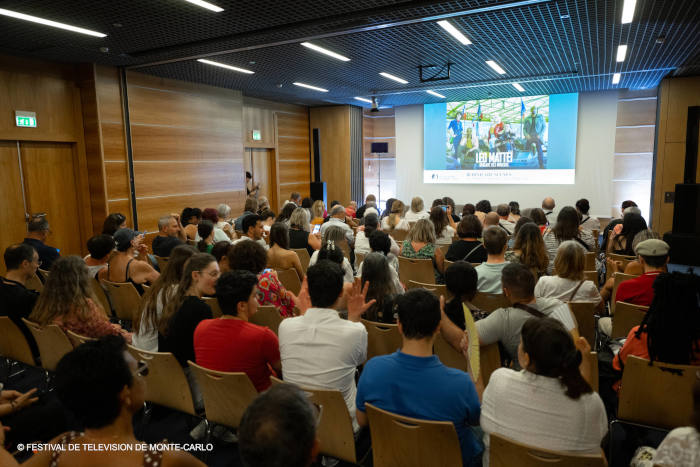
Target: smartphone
column 444, row 208
column 266, row 270
column 317, row 228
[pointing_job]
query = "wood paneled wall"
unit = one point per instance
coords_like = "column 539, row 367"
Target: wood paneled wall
column 379, row 127
column 675, row 96
column 334, row 133
column 187, row 146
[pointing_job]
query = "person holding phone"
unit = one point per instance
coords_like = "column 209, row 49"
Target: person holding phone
column 299, row 235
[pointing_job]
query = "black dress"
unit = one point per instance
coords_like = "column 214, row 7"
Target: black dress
column 300, row 239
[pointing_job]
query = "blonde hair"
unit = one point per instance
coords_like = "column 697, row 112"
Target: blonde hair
column 570, row 262
column 317, row 208
column 397, row 208
column 422, row 231
column 417, row 204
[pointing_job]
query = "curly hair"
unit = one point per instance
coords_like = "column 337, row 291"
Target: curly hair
column 247, row 255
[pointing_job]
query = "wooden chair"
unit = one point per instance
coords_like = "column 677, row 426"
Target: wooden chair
column 162, row 263
column 504, row 452
column 226, row 395
column 267, row 316
column 52, row 342
column 34, row 283
column 359, row 258
column 419, row 270
column 290, row 280
column 304, row 258
column 619, row 278
column 660, row 395
column 584, row 315
column 214, row 305
column 78, row 339
column 398, row 235
column 410, row 442
column 444, row 248
column 489, row 360
column 490, row 302
column 436, row 289
column 124, row 298
column 148, row 239
column 627, row 316
column 13, row 344
column 101, row 296
column 382, row 339
column 448, row 355
column 334, row 429
column 592, row 379
column 591, row 276
column 589, row 261
column 596, row 234
column 166, row 383
column 625, row 260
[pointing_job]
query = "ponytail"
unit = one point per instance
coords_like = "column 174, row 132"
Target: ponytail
column 571, row 378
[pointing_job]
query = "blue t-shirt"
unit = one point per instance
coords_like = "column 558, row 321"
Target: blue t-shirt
column 457, row 127
column 424, row 388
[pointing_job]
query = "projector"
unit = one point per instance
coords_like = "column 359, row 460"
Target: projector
column 375, row 105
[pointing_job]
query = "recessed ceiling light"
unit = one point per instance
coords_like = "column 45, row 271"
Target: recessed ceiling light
column 395, row 78
column 207, row 5
column 308, row 86
column 518, row 87
column 497, row 68
column 436, row 94
column 565, row 16
column 628, row 11
column 48, row 22
column 456, row 33
column 369, row 101
column 621, row 53
column 616, row 78
column 330, row 53
column 223, row 65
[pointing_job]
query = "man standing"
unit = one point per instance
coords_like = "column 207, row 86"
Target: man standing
column 252, row 230
column 456, row 127
column 38, row 231
column 337, row 218
column 414, row 383
column 534, row 126
column 170, row 234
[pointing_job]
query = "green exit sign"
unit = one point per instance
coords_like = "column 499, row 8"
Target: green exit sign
column 256, row 135
column 25, row 119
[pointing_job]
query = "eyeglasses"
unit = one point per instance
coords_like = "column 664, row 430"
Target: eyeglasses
column 141, row 369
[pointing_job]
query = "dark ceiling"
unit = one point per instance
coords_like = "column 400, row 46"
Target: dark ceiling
column 548, row 46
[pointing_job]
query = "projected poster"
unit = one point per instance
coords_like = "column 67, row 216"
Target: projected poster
column 528, row 139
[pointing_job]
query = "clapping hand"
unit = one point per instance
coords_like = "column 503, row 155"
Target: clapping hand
column 356, row 300
column 17, row 399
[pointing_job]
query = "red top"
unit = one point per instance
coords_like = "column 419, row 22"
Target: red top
column 638, row 291
column 235, row 345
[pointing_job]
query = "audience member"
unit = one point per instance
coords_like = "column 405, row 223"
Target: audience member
column 450, row 203
column 491, row 220
column 37, row 232
column 548, row 208
column 30, row 417
column 279, row 429
column 483, row 207
column 250, row 208
column 318, row 348
column 587, row 222
column 337, row 219
column 333, row 249
column 633, row 267
column 503, row 211
column 529, row 250
column 504, row 324
column 100, row 248
column 299, row 235
column 113, row 222
column 380, row 242
column 223, row 211
column 319, row 212
column 220, row 252
column 263, row 205
column 621, row 243
column 252, row 230
column 627, row 204
column 460, row 280
column 163, row 290
column 468, row 248
column 490, row 272
column 521, row 221
column 170, row 234
column 420, row 244
column 569, row 285
column 395, row 220
column 286, row 213
column 371, row 223
column 250, row 256
column 514, row 215
column 205, row 236
column 549, row 405
column 468, row 209
column 370, row 201
column 16, row 301
column 68, row 300
column 538, row 217
column 445, row 227
column 351, row 210
column 220, row 235
column 279, row 256
column 267, row 218
column 413, row 382
column 566, row 228
column 294, row 198
column 384, row 286
column 387, row 207
column 190, row 218
column 417, row 210
column 232, row 344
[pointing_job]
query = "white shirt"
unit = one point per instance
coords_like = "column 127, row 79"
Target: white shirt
column 507, row 225
column 349, row 236
column 245, row 238
column 560, row 288
column 219, row 236
column 535, row 410
column 347, row 268
column 402, row 225
column 416, row 216
column 680, row 448
column 362, row 245
column 147, row 337
column 321, row 350
column 446, row 236
column 591, row 223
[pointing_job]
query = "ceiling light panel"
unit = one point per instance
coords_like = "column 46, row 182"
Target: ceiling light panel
column 496, row 67
column 518, row 87
column 395, row 78
column 621, row 53
column 223, row 65
column 616, row 78
column 207, row 5
column 48, row 22
column 308, row 86
column 454, row 32
column 369, row 101
column 436, row 94
column 320, row 49
column 628, row 11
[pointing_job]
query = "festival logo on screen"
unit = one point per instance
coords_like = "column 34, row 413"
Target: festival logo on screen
column 505, row 133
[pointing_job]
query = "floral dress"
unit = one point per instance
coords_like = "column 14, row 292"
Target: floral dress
column 427, row 252
column 272, row 292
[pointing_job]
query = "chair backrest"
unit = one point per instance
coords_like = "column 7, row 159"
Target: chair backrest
column 13, row 344
column 334, row 429
column 660, row 395
column 591, row 276
column 489, row 361
column 627, row 316
column 124, row 298
column 34, row 283
column 101, row 296
column 592, row 379
column 410, row 442
column 304, row 258
column 619, row 278
column 166, row 383
column 162, row 262
column 290, row 280
column 448, row 355
column 382, row 339
column 490, row 301
column 589, row 261
column 584, row 313
column 226, row 395
column 419, row 270
column 444, row 248
column 398, row 235
column 214, row 305
column 52, row 342
column 267, row 316
column 625, row 260
column 359, row 258
column 504, row 452
column 436, row 289
column 78, row 339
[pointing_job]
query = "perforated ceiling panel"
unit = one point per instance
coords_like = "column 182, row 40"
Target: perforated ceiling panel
column 548, row 46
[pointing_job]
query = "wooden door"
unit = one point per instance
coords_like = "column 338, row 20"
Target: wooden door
column 12, row 221
column 261, row 163
column 50, row 185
